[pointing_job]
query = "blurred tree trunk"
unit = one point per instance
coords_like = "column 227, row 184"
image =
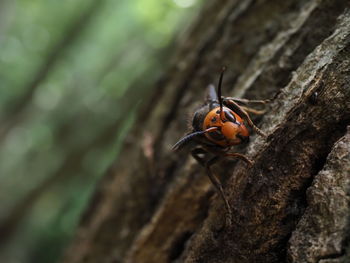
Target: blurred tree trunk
column 154, row 205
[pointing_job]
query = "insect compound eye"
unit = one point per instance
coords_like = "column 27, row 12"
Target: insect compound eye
column 230, row 116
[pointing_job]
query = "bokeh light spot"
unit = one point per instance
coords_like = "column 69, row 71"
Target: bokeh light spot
column 184, row 3
column 47, row 97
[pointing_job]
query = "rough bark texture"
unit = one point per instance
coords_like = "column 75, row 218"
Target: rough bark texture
column 292, row 205
column 322, row 234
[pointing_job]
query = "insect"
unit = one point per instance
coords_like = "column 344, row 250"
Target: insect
column 218, row 125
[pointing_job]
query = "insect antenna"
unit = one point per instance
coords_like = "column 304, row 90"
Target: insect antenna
column 188, row 137
column 219, row 92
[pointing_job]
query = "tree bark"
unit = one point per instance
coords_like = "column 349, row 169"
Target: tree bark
column 292, row 205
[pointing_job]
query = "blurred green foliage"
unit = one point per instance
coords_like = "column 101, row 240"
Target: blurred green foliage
column 64, row 69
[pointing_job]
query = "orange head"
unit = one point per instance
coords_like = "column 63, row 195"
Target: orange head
column 231, row 129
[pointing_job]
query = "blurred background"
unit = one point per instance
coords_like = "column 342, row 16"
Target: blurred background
column 65, row 69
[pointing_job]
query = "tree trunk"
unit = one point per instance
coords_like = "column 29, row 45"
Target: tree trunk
column 292, row 205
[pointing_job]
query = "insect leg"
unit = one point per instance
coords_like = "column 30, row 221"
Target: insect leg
column 246, row 101
column 195, row 153
column 241, row 112
column 240, row 156
column 254, row 111
column 217, row 184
